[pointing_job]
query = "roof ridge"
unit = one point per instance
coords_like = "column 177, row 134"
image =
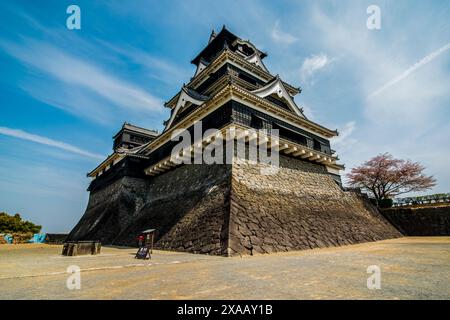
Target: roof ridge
column 138, row 127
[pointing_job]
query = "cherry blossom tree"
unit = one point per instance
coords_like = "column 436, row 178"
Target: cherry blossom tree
column 386, row 177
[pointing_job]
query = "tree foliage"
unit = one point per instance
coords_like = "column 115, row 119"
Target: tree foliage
column 386, row 177
column 15, row 224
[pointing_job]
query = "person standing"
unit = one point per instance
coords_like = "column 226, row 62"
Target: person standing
column 141, row 240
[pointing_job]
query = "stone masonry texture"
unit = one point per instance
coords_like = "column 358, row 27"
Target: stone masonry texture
column 110, row 209
column 428, row 221
column 188, row 206
column 299, row 207
column 233, row 210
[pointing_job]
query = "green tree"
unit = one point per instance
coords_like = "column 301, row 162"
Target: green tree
column 15, row 224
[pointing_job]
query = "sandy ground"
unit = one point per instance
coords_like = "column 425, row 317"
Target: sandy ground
column 411, row 268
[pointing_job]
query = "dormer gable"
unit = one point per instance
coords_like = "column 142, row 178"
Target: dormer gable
column 276, row 86
column 186, row 96
column 201, row 66
column 257, row 61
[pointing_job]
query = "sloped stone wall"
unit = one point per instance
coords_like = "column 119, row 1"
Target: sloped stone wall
column 110, row 209
column 189, row 207
column 233, row 210
column 300, row 207
column 428, row 221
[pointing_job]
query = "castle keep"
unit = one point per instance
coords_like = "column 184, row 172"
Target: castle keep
column 228, row 209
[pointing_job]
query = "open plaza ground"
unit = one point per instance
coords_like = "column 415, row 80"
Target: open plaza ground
column 411, row 268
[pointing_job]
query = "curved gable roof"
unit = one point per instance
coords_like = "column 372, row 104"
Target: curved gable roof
column 186, row 95
column 276, row 86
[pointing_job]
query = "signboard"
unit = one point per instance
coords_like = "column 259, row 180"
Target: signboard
column 143, row 253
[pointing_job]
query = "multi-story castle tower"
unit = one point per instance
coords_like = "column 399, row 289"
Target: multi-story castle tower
column 228, row 208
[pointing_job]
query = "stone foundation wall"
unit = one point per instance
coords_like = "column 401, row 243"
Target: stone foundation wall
column 189, row 207
column 300, row 207
column 110, row 209
column 233, row 210
column 429, row 221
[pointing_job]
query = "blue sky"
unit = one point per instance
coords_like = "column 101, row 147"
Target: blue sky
column 64, row 93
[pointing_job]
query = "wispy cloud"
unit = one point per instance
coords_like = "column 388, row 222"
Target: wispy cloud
column 308, row 111
column 20, row 134
column 282, row 37
column 408, row 121
column 427, row 59
column 345, row 139
column 155, row 67
column 313, row 64
column 54, row 197
column 76, row 74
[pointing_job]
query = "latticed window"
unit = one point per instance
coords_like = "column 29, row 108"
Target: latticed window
column 317, row 145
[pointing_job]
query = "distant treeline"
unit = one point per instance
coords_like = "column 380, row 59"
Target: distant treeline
column 15, row 224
